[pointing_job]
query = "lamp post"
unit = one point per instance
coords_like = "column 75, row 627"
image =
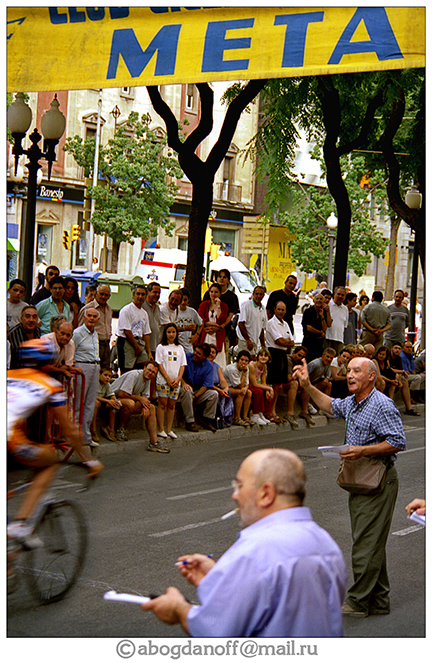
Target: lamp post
column 413, row 199
column 53, row 122
column 332, row 224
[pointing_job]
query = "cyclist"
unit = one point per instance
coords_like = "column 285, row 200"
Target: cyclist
column 28, row 389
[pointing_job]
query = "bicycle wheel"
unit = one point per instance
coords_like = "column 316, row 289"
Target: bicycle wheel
column 52, row 569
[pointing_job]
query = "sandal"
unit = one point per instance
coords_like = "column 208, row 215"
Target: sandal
column 246, row 421
column 412, row 412
column 238, row 422
column 276, row 420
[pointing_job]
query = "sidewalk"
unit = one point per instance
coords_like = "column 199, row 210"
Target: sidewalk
column 138, row 436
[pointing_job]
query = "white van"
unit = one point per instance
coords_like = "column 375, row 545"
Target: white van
column 167, row 266
column 162, row 266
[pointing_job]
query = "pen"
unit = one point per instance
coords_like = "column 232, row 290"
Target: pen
column 184, row 562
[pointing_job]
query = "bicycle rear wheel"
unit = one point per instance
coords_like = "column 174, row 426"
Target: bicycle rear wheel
column 53, row 569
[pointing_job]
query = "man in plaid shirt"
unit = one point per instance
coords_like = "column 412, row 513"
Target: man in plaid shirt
column 373, row 428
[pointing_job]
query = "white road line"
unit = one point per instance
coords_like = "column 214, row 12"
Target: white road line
column 409, row 451
column 199, row 492
column 157, row 535
column 408, row 530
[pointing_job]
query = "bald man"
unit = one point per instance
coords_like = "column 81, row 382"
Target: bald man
column 284, row 577
column 373, row 429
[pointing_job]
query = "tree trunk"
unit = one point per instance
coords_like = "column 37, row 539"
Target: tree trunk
column 395, row 222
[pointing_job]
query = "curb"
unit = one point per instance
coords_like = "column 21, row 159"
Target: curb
column 138, row 438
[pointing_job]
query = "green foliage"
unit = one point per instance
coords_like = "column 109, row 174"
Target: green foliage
column 311, row 207
column 139, row 186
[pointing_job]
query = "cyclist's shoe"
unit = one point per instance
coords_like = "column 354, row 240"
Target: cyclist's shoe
column 121, row 435
column 24, row 534
column 161, row 448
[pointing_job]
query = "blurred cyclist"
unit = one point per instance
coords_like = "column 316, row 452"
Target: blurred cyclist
column 28, row 389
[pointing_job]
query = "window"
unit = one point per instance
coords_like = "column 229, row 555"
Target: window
column 190, row 97
column 127, row 92
column 182, row 243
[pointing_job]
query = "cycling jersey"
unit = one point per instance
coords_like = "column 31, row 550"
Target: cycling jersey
column 27, row 390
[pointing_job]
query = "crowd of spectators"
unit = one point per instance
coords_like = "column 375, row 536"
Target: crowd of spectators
column 222, row 365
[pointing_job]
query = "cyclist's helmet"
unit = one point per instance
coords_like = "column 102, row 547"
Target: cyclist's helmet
column 37, row 352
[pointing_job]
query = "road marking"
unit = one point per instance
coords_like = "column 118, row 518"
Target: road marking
column 199, row 492
column 409, row 451
column 157, row 535
column 408, row 530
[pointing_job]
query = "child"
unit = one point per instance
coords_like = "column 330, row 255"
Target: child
column 107, row 399
column 237, row 376
column 171, row 358
column 261, row 391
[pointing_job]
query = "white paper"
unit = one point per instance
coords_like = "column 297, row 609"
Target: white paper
column 333, row 452
column 417, row 518
column 125, row 598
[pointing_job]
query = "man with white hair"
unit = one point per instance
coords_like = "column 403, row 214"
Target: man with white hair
column 86, row 342
column 104, row 323
column 373, row 429
column 284, row 576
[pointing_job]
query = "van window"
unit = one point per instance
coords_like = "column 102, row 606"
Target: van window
column 180, row 270
column 244, row 281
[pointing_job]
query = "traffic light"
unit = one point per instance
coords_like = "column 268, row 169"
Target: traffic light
column 87, row 199
column 76, row 230
column 66, row 239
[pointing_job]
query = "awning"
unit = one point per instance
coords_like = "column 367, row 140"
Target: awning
column 13, row 245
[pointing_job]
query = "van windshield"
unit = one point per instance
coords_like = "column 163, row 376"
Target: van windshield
column 244, row 281
column 180, row 270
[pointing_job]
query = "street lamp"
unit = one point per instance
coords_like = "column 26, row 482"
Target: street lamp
column 332, row 224
column 53, row 123
column 413, row 199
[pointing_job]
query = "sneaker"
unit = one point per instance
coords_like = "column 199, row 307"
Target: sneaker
column 255, row 419
column 263, row 420
column 352, row 612
column 158, row 447
column 93, row 443
column 308, row 419
column 172, row 435
column 23, row 533
column 162, row 434
column 121, row 435
column 292, row 421
column 312, row 409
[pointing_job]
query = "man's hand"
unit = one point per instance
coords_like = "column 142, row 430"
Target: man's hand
column 301, row 373
column 196, row 568
column 170, row 608
column 417, row 505
column 146, row 404
column 352, row 453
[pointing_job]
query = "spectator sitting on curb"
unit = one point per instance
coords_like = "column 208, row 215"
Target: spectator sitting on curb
column 295, row 359
column 237, row 377
column 320, row 373
column 197, row 388
column 106, row 400
column 133, row 390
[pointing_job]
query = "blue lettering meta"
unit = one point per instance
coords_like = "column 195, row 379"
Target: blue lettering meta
column 216, row 43
column 382, row 39
column 125, row 43
column 295, row 36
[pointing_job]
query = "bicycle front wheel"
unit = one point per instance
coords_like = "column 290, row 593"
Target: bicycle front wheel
column 53, row 569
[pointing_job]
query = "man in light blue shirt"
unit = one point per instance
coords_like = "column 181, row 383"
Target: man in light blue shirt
column 87, row 360
column 54, row 305
column 284, row 577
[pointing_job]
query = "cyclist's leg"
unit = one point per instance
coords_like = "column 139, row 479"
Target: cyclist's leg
column 40, row 457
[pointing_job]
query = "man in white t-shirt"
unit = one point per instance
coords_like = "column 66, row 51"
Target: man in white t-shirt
column 339, row 316
column 133, row 333
column 252, row 323
column 168, row 311
column 14, row 304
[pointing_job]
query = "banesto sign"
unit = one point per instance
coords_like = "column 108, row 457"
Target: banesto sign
column 102, row 47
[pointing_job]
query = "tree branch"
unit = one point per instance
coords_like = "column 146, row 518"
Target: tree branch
column 235, row 109
column 167, row 115
column 205, row 125
column 361, row 139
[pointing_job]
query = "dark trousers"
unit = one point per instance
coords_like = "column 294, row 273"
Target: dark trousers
column 371, row 517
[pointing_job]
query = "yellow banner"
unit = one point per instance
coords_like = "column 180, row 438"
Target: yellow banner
column 98, row 47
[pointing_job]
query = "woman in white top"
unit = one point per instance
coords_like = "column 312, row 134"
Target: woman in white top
column 171, row 358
